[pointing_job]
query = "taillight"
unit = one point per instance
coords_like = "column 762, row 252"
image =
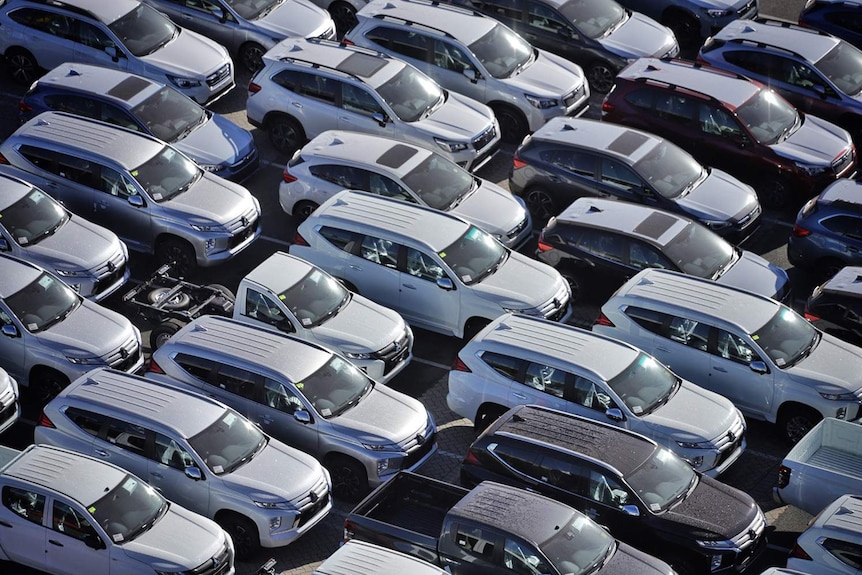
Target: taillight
column 253, row 88
column 287, row 176
column 3, row 160
column 800, row 232
column 24, row 107
column 602, row 319
column 459, row 365
column 348, row 530
column 346, row 42
column 470, row 458
column 44, row 421
column 783, row 476
column 517, row 162
column 799, row 553
column 811, row 316
column 607, row 107
column 544, row 246
column 298, row 240
column 154, row 367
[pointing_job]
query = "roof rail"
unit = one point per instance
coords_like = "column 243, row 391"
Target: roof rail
column 412, row 23
column 65, row 6
column 447, row 5
column 788, row 24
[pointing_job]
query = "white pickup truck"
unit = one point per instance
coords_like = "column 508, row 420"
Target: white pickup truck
column 824, row 465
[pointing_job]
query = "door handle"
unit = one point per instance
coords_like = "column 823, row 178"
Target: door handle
column 355, row 267
column 156, row 474
column 408, row 286
column 719, row 368
column 449, row 561
column 555, row 178
column 297, row 104
column 519, row 395
column 101, row 453
column 57, row 543
column 664, row 349
column 5, row 524
column 343, row 119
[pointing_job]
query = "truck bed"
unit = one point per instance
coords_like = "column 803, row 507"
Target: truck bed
column 837, row 460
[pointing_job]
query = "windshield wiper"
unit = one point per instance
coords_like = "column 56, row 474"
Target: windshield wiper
column 194, row 126
column 265, row 12
column 493, row 269
column 805, row 352
column 473, row 187
column 149, row 524
column 165, row 42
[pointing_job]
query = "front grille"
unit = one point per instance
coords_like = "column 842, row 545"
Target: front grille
column 219, row 564
column 485, row 138
column 126, row 356
column 577, row 94
column 310, row 512
column 843, row 163
column 419, row 450
column 394, row 353
column 748, row 538
column 107, row 281
column 752, row 217
column 728, row 443
column 555, row 308
column 218, row 75
column 242, row 228
column 7, row 413
column 746, row 9
column 513, row 233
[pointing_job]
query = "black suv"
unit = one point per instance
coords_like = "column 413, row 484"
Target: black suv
column 645, row 494
column 842, row 18
column 835, row 306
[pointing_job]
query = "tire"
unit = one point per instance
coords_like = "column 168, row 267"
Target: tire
column 513, row 126
column 344, row 16
column 286, row 134
column 685, row 27
column 474, row 326
column 601, row 77
column 828, row 267
column 795, row 421
column 44, row 385
column 486, row 416
column 178, row 251
column 227, row 293
column 243, row 532
column 774, row 192
column 541, row 204
column 22, row 66
column 575, row 283
column 177, row 302
column 349, row 480
column 303, row 209
column 163, row 332
column 251, row 56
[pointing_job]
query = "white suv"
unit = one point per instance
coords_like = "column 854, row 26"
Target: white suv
column 832, row 544
column 519, row 360
column 479, row 57
column 336, row 160
column 438, row 271
column 308, row 86
column 758, row 353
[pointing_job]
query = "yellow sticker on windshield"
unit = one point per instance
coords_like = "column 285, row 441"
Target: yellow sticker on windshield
column 299, row 385
column 281, row 297
column 134, row 173
column 442, row 254
column 755, row 337
column 91, row 509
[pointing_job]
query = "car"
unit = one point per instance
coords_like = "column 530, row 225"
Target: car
column 522, row 360
column 196, row 451
column 10, row 404
column 597, row 244
column 826, row 235
column 835, row 306
column 37, row 228
column 147, row 192
column 818, row 73
column 214, row 142
column 641, row 492
column 338, row 160
column 438, row 271
column 838, row 17
column 478, row 57
column 599, row 35
column 305, row 395
column 122, row 34
column 308, row 86
column 570, row 158
column 763, row 356
column 732, row 123
column 249, row 28
column 832, row 544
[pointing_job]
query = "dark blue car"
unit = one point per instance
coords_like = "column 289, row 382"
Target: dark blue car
column 842, row 18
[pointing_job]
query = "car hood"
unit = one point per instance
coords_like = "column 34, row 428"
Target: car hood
column 189, row 55
column 815, row 142
column 714, row 510
column 719, row 196
column 627, row 560
column 89, row 331
column 179, row 541
column 832, row 365
column 684, row 417
column 218, row 141
column 459, row 118
column 754, row 273
column 520, row 282
column 549, row 75
column 639, row 37
column 360, row 326
column 491, row 208
column 210, row 200
column 277, row 473
column 405, row 417
column 78, row 245
column 298, row 18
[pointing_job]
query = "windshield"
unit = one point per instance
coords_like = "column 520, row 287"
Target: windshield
column 144, row 30
column 253, row 9
column 768, row 117
column 474, row 256
column 33, row 218
column 410, row 94
column 579, row 547
column 664, row 479
column 439, row 182
column 228, row 443
column 315, row 298
column 167, row 174
column 645, row 384
column 129, row 509
column 335, row 387
column 43, row 303
column 787, row 337
column 843, row 66
column 700, row 252
column 670, row 170
column 594, row 18
column 502, row 52
column 169, row 115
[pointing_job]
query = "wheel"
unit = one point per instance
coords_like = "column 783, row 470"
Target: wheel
column 163, row 332
column 303, row 209
column 344, row 16
column 774, row 192
column 575, row 283
column 44, row 385
column 474, row 326
column 349, row 480
column 828, row 267
column 795, row 421
column 227, row 293
column 513, row 126
column 243, row 532
column 178, row 301
column 179, row 252
column 285, row 134
column 684, row 27
column 601, row 77
column 541, row 204
column 251, row 56
column 22, row 66
column 486, row 416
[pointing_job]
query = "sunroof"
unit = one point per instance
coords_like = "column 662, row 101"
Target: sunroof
column 395, row 156
column 129, row 87
column 627, row 142
column 361, row 65
column 655, row 225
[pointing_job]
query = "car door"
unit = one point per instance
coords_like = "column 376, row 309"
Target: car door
column 284, row 413
column 49, row 36
column 373, row 269
column 92, row 46
column 210, row 18
column 120, row 205
column 724, row 143
column 166, row 466
column 67, row 549
column 124, row 444
column 542, row 385
column 606, row 253
column 589, row 397
column 455, row 68
column 13, row 348
column 310, row 98
column 23, row 536
column 847, row 240
column 218, row 380
column 684, row 348
column 360, row 111
column 547, row 29
column 67, row 179
column 423, row 300
column 569, row 174
column 731, row 374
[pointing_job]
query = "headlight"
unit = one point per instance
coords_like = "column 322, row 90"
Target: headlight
column 212, row 167
column 695, row 444
column 846, row 396
column 285, row 505
column 529, row 311
column 183, row 83
column 722, row 544
column 206, row 228
column 390, row 465
column 380, row 447
column 362, row 355
column 716, row 224
column 811, row 169
column 540, row 102
column 72, row 273
column 86, row 360
column 718, row 13
column 451, row 147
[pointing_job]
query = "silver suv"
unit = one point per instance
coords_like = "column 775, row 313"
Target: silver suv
column 479, row 57
column 36, row 228
column 154, row 197
column 309, row 86
column 123, row 34
column 196, row 451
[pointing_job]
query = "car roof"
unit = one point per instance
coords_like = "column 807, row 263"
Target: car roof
column 842, row 191
column 649, row 224
column 12, row 189
column 729, row 88
column 279, row 271
column 846, row 281
column 360, row 557
column 398, row 158
column 620, row 141
column 602, row 355
column 458, row 22
column 677, row 290
column 808, row 43
column 106, row 12
column 844, row 515
column 622, row 450
column 77, row 476
column 127, row 148
column 131, row 397
column 370, row 66
column 436, row 229
column 15, row 274
column 117, row 85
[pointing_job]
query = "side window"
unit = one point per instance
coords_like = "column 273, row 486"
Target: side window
column 318, row 87
column 544, row 18
column 41, row 158
column 756, row 62
column 603, row 245
column 648, row 319
column 716, row 121
column 475, row 540
column 76, row 170
column 850, row 19
column 506, row 8
column 644, row 256
column 280, row 397
column 689, row 332
column 198, row 367
column 404, row 42
column 422, row 266
column 91, row 36
column 379, row 251
column 342, row 239
column 28, row 504
column 523, row 558
column 450, row 57
column 519, row 458
column 54, row 24
column 383, row 186
column 237, row 380
column 676, row 107
column 619, row 176
column 545, row 378
column 642, row 98
column 114, row 183
column 565, row 474
column 86, row 420
column 799, row 74
column 607, row 490
column 288, row 79
column 576, row 162
column 170, row 453
column 587, row 393
column 356, row 99
column 127, row 435
column 70, row 522
column 262, row 308
column 845, row 551
column 345, row 176
column 733, row 347
column 505, row 365
column 849, row 226
column 74, row 105
column 118, row 117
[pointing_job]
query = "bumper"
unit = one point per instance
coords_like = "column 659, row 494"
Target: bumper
column 222, row 256
column 536, row 118
column 375, row 368
column 375, row 480
column 113, row 287
column 726, row 463
column 288, row 534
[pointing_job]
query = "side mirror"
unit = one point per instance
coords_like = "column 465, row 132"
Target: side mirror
column 380, row 118
column 113, row 53
column 136, row 201
column 302, row 416
column 820, row 90
column 565, row 32
column 445, row 283
column 631, row 510
column 193, row 472
column 471, row 74
column 218, row 12
column 10, row 330
column 758, row 367
column 4, row 245
column 615, row 414
column 285, row 325
column 93, row 541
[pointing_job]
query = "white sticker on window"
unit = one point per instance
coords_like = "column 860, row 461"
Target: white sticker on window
column 780, row 361
column 655, row 506
column 218, row 468
column 157, row 197
column 637, row 409
column 23, row 241
column 466, row 278
column 117, row 537
column 326, row 412
column 32, row 326
column 306, row 321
